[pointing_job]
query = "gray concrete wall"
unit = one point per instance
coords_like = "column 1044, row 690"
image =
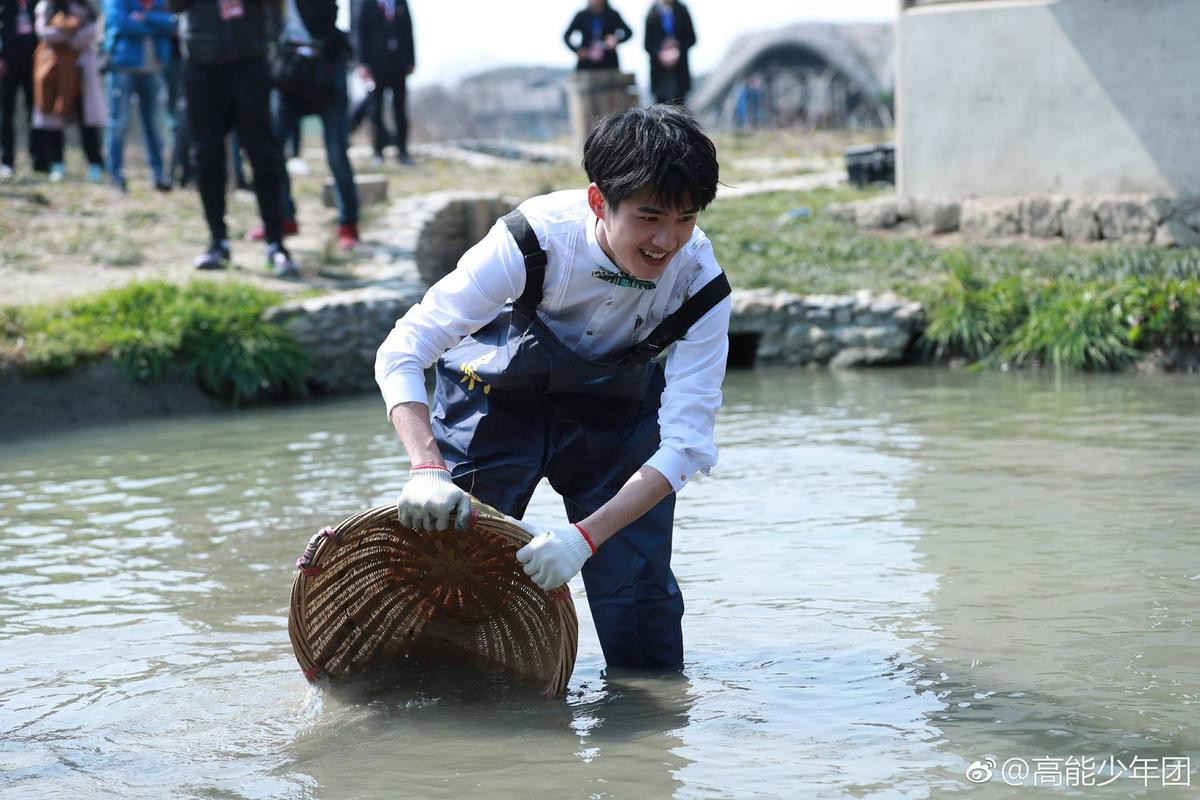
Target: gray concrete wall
column 1020, row 97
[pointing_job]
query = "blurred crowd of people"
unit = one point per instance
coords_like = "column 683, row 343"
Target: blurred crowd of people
column 595, row 33
column 234, row 77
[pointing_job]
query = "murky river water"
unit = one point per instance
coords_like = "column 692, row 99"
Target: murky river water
column 891, row 575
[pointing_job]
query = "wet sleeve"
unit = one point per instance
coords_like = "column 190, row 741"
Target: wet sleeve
column 695, row 370
column 487, row 276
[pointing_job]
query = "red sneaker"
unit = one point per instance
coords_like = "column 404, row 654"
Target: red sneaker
column 290, row 228
column 348, row 236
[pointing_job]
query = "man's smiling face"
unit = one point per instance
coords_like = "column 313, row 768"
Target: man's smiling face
column 641, row 235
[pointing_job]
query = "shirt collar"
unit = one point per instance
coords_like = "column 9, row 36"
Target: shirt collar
column 593, row 244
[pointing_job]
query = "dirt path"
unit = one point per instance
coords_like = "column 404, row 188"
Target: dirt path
column 64, row 240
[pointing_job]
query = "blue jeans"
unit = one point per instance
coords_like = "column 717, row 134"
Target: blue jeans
column 122, row 85
column 335, row 124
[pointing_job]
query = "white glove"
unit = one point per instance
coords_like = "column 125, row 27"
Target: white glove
column 556, row 554
column 429, row 498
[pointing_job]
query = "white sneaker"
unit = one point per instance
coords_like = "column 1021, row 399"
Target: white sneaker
column 279, row 261
column 298, row 166
column 6, row 172
column 58, row 171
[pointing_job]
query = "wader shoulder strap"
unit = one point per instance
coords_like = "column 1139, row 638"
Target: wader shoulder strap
column 535, row 260
column 676, row 325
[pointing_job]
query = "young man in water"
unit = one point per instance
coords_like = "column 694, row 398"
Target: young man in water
column 561, row 382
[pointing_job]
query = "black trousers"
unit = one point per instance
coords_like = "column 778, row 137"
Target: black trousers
column 52, row 144
column 373, row 104
column 18, row 78
column 226, row 97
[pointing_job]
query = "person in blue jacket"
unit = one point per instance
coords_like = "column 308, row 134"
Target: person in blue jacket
column 138, row 42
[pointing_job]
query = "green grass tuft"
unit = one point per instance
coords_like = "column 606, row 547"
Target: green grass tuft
column 212, row 332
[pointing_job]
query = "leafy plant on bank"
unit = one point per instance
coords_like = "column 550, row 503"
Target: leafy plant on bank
column 1163, row 314
column 1071, row 327
column 1030, row 320
column 972, row 317
column 212, row 332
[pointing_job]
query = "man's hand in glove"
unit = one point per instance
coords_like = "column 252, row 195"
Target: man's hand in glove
column 556, row 553
column 430, row 497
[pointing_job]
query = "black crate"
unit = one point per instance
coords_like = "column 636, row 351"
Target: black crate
column 872, row 163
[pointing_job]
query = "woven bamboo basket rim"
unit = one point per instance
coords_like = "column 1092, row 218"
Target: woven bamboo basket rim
column 487, row 525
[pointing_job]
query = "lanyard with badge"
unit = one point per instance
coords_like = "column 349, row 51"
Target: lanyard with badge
column 24, row 23
column 388, row 7
column 231, row 9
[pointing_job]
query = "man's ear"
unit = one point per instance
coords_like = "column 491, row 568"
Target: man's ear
column 596, row 200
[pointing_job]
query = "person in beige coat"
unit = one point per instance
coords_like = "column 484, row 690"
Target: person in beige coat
column 68, row 28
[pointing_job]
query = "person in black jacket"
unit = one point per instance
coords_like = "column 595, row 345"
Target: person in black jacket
column 17, row 43
column 669, row 36
column 228, row 85
column 594, row 34
column 387, row 57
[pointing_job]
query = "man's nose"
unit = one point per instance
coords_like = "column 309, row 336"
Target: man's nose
column 664, row 238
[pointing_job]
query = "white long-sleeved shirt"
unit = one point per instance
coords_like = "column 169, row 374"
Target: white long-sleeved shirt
column 593, row 317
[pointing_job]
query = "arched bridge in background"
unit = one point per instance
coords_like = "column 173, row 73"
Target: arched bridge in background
column 817, row 75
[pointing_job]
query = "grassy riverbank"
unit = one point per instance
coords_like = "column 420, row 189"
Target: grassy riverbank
column 208, row 332
column 1024, row 303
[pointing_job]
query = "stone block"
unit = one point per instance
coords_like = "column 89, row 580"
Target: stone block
column 850, row 335
column 990, row 218
column 747, row 302
column 878, row 213
column 1079, row 221
column 457, row 221
column 841, row 212
column 862, row 357
column 772, row 345
column 888, row 337
column 1043, row 216
column 910, row 314
column 886, row 304
column 372, row 189
column 936, row 215
column 1127, row 220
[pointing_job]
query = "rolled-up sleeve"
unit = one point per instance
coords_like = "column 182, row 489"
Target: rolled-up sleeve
column 695, row 370
column 487, row 276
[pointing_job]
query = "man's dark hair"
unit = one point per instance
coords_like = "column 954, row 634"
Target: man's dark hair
column 661, row 147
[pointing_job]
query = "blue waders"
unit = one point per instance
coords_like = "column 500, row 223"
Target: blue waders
column 513, row 404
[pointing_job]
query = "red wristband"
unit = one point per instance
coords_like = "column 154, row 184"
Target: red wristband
column 428, row 466
column 586, row 538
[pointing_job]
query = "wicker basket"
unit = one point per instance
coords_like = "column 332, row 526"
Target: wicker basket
column 372, row 594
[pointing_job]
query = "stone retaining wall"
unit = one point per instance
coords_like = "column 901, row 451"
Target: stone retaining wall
column 1133, row 219
column 839, row 330
column 341, row 332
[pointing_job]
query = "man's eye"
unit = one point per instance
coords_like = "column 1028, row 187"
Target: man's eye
column 648, row 219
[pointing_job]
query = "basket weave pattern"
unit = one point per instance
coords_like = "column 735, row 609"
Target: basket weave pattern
column 373, row 593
